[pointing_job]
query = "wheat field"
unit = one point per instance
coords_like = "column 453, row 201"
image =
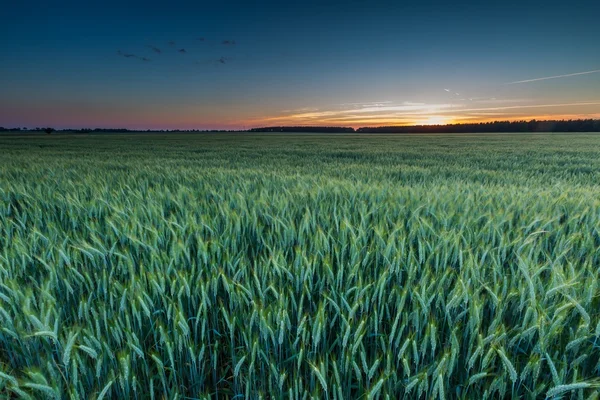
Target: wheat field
column 221, row 266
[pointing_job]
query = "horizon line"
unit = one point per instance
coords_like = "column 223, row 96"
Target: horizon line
column 116, row 130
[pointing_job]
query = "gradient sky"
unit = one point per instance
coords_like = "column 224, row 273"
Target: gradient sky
column 233, row 64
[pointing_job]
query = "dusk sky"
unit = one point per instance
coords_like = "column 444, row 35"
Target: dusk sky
column 232, row 64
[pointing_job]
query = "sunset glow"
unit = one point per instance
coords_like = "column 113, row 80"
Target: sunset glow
column 227, row 66
column 436, row 120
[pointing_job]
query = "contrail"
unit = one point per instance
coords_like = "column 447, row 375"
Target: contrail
column 591, row 103
column 554, row 77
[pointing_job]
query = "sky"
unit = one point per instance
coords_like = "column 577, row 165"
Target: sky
column 243, row 64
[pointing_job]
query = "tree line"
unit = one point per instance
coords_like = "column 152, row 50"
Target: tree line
column 112, row 130
column 579, row 125
column 314, row 129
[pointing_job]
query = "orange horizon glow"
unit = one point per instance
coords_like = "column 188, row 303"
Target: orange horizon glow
column 410, row 114
column 437, row 120
column 434, row 120
column 398, row 114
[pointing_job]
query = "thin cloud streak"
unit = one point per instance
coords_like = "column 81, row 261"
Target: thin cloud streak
column 130, row 55
column 554, row 77
column 411, row 111
column 431, row 108
column 528, row 106
column 126, row 55
column 398, row 110
column 365, row 103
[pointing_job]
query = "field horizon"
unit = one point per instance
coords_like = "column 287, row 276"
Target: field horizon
column 495, row 126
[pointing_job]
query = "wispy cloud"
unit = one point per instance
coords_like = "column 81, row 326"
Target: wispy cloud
column 363, row 112
column 126, row 55
column 201, row 39
column 171, row 43
column 405, row 107
column 356, row 114
column 554, row 77
column 490, row 113
column 218, row 61
column 182, row 51
column 155, row 49
column 580, row 104
column 228, row 42
column 365, row 103
column 303, row 109
column 130, row 55
column 494, row 100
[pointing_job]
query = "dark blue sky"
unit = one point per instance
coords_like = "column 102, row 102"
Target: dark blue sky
column 262, row 63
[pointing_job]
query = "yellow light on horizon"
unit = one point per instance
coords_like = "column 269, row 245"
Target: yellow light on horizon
column 436, row 120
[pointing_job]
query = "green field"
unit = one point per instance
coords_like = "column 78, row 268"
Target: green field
column 300, row 266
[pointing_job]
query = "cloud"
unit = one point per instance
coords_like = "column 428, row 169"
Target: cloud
column 303, row 109
column 414, row 112
column 364, row 113
column 451, row 91
column 218, row 61
column 365, row 103
column 228, row 42
column 155, row 49
column 182, row 51
column 554, row 77
column 171, row 43
column 492, row 113
column 201, row 39
column 130, row 55
column 126, row 55
column 410, row 107
column 591, row 103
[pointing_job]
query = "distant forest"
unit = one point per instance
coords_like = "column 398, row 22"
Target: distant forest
column 580, row 125
column 315, row 129
column 112, row 130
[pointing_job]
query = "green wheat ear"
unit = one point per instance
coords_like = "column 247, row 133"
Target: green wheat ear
column 300, row 267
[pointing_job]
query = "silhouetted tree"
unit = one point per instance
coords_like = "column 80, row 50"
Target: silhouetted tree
column 49, row 130
column 582, row 125
column 296, row 129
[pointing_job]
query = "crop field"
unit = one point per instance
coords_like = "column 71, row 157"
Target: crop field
column 221, row 266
